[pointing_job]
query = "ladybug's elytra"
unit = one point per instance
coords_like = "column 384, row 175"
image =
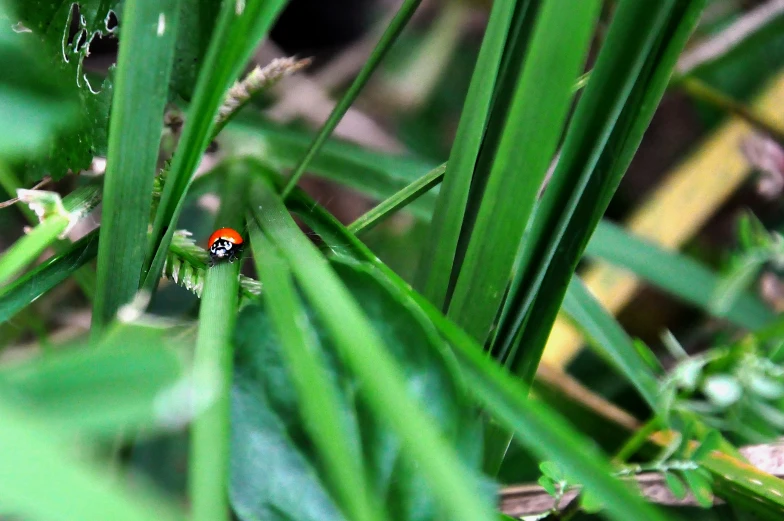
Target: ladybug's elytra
column 225, row 244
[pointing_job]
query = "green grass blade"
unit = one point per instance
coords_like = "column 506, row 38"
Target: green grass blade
column 240, row 27
column 393, row 30
column 208, row 472
column 438, row 257
column 606, row 129
column 26, row 289
column 141, row 88
column 318, row 396
column 364, row 353
column 674, row 273
column 85, row 277
column 42, row 481
column 28, row 248
column 375, row 174
column 540, row 103
column 610, row 340
column 502, row 395
column 398, row 200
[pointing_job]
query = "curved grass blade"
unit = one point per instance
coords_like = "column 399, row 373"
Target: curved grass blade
column 33, row 284
column 393, row 30
column 674, row 273
column 149, row 29
column 240, row 27
column 363, row 352
column 318, row 395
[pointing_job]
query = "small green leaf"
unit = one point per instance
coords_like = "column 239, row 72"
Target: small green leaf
column 675, row 484
column 700, row 487
column 547, row 484
column 712, row 441
column 551, row 470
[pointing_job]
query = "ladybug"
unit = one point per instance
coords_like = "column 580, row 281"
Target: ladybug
column 225, row 243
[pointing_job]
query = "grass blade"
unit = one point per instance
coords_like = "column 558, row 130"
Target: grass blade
column 398, row 200
column 393, row 30
column 149, row 29
column 26, row 289
column 364, row 354
column 208, row 476
column 436, row 263
column 641, row 49
column 236, row 36
column 674, row 273
column 540, row 103
column 611, row 341
column 317, row 394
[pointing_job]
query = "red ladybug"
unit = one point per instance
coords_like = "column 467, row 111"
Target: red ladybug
column 225, row 244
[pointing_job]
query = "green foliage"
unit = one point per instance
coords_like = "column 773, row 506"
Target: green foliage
column 329, row 388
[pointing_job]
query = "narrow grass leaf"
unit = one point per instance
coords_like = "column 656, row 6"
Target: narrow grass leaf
column 393, row 30
column 208, row 472
column 438, row 257
column 35, row 283
column 674, row 273
column 631, row 74
column 610, row 340
column 240, row 27
column 501, row 395
column 141, row 89
column 398, row 200
column 364, row 353
column 318, row 396
column 540, row 103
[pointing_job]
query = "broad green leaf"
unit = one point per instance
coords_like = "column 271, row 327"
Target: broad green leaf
column 140, row 94
column 541, row 99
column 42, row 480
column 362, row 350
column 128, row 380
column 35, row 105
column 631, row 73
column 240, row 27
column 50, row 22
column 438, row 257
column 672, row 272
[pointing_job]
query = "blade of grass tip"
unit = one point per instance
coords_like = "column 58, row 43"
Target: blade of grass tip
column 611, row 341
column 317, row 394
column 364, row 353
column 240, row 27
column 674, row 273
column 57, row 217
column 438, row 256
column 557, row 51
column 85, row 277
column 33, row 284
column 208, row 471
column 41, row 481
column 398, row 200
column 141, row 88
column 393, row 30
